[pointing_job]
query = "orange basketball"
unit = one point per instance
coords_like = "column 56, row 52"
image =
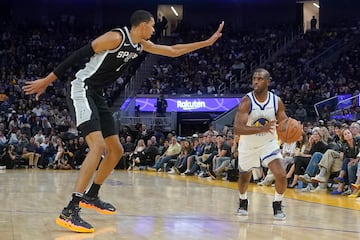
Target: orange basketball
column 289, row 130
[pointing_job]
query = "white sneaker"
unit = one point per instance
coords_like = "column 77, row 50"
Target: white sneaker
column 305, row 178
column 318, row 189
column 319, row 179
column 268, row 180
column 308, row 188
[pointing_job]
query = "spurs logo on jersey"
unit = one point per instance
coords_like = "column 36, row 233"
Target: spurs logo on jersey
column 127, row 55
column 106, row 67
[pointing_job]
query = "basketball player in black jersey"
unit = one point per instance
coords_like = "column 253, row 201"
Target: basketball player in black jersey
column 108, row 55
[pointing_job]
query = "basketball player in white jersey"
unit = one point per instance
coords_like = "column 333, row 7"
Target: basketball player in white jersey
column 108, row 56
column 255, row 122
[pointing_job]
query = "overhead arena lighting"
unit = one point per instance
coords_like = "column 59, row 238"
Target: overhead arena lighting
column 174, row 11
column 316, row 5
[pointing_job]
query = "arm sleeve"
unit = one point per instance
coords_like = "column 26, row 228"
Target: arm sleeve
column 86, row 51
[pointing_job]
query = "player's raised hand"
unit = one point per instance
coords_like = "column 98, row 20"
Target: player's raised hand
column 216, row 35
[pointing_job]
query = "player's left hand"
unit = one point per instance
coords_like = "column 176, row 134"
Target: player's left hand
column 216, row 35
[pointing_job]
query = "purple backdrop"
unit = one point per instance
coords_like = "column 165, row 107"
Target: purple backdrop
column 190, row 104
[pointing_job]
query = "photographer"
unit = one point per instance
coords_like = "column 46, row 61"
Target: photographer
column 8, row 157
column 161, row 105
column 137, row 111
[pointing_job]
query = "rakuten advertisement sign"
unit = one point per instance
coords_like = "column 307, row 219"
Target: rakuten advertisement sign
column 190, row 104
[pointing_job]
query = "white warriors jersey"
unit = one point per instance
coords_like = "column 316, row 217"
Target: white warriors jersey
column 260, row 113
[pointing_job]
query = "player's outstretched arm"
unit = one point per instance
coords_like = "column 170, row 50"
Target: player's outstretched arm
column 107, row 41
column 38, row 86
column 181, row 49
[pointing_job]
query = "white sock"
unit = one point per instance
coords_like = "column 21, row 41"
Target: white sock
column 243, row 196
column 278, row 197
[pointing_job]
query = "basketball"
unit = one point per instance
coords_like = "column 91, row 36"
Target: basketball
column 289, row 130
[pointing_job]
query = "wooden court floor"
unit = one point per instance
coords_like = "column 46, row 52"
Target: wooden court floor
column 160, row 206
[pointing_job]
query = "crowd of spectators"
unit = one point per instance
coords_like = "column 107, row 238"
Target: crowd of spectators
column 325, row 159
column 27, row 53
column 43, row 134
column 297, row 78
column 203, row 71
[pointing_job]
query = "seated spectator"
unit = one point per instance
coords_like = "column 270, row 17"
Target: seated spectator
column 39, row 136
column 350, row 150
column 80, row 152
column 184, row 167
column 355, row 129
column 331, row 156
column 302, row 161
column 301, row 113
column 63, row 156
column 208, row 147
column 129, row 147
column 230, row 164
column 356, row 186
column 3, row 139
column 211, row 131
column 29, row 153
column 137, row 156
column 171, row 153
column 8, row 157
column 13, row 138
column 222, row 158
column 151, row 151
column 288, row 151
column 48, row 154
column 186, row 151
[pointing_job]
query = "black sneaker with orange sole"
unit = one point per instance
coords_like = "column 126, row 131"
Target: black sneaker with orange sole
column 97, row 204
column 70, row 219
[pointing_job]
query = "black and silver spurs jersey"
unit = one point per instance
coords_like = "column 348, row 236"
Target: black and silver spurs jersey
column 105, row 67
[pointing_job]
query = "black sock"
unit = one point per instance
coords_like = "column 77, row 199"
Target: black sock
column 76, row 197
column 94, row 190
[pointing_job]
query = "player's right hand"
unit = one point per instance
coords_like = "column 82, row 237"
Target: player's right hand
column 37, row 87
column 270, row 127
